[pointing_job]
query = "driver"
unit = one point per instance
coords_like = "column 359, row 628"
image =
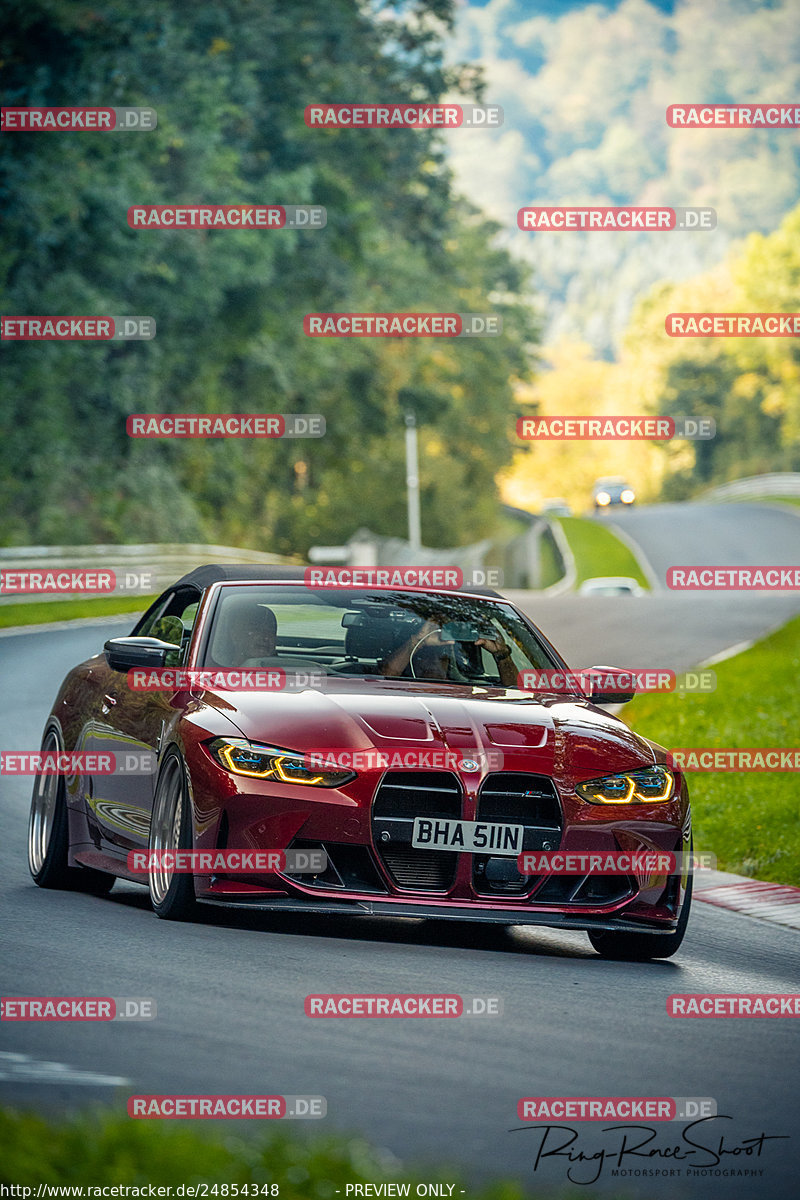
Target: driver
column 432, row 656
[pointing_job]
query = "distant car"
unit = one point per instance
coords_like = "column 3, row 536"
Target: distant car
column 555, row 508
column 611, row 585
column 613, row 490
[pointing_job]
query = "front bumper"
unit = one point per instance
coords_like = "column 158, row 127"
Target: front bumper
column 448, row 912
column 374, row 870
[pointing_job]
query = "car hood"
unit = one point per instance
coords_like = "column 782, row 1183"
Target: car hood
column 550, row 736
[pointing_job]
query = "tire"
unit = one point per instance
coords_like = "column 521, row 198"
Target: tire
column 172, row 895
column 639, row 947
column 48, row 836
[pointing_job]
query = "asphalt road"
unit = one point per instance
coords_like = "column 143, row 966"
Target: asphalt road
column 669, row 628
column 712, row 534
column 662, row 629
column 230, row 989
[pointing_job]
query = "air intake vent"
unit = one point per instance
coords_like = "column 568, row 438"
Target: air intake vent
column 517, row 799
column 422, row 870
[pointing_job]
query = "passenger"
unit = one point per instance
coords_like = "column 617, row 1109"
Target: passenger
column 252, row 633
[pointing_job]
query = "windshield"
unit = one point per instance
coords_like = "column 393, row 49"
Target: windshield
column 381, row 634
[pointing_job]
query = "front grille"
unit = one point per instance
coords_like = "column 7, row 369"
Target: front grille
column 518, row 799
column 402, row 796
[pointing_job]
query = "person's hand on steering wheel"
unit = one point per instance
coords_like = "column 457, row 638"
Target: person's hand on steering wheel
column 501, row 653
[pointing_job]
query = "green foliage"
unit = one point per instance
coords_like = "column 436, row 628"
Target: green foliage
column 38, row 612
column 750, row 386
column 230, row 82
column 101, row 1149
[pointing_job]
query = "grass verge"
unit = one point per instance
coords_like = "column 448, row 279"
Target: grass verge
column 794, row 500
column 101, row 1149
column 749, row 820
column 39, row 612
column 598, row 551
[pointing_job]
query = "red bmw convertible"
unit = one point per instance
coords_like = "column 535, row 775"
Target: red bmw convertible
column 378, row 740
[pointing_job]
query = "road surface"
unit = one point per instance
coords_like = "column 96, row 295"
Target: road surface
column 229, row 990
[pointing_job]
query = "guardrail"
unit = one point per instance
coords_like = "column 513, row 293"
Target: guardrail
column 162, row 562
column 785, row 483
column 518, row 558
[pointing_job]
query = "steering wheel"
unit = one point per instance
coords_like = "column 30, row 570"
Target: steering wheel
column 416, row 648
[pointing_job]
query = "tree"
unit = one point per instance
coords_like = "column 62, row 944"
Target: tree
column 230, row 82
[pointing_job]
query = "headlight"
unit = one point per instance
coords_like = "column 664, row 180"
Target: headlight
column 266, row 762
column 627, row 496
column 650, row 786
column 602, row 498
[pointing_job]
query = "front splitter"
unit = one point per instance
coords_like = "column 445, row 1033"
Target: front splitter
column 366, row 908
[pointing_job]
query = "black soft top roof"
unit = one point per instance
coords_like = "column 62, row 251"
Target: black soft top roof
column 203, row 577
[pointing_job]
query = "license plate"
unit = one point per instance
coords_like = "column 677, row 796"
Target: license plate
column 475, row 837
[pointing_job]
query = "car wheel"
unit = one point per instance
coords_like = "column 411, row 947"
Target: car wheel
column 48, row 836
column 171, row 894
column 639, row 947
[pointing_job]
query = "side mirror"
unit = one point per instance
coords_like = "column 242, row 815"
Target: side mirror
column 608, row 685
column 125, row 653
